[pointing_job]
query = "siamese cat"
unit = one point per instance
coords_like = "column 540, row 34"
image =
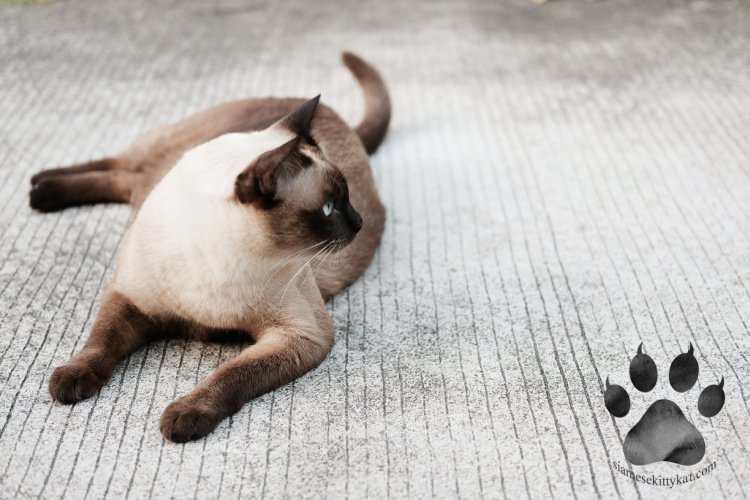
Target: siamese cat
column 238, row 208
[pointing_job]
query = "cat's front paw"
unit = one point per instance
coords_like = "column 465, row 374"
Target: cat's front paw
column 75, row 381
column 187, row 419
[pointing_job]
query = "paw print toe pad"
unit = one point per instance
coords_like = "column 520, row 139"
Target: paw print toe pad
column 711, row 400
column 643, row 372
column 683, row 373
column 617, row 400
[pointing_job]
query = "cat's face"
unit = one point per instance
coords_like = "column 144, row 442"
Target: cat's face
column 301, row 198
column 311, row 204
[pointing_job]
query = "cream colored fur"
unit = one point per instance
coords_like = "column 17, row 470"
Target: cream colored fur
column 194, row 251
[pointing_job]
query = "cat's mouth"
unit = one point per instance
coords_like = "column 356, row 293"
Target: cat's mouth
column 341, row 243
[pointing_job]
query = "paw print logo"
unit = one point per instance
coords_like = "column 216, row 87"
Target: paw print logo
column 664, row 433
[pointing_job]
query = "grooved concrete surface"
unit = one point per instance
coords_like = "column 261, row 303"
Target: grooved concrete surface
column 563, row 183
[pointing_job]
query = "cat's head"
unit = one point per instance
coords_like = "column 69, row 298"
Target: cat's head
column 299, row 195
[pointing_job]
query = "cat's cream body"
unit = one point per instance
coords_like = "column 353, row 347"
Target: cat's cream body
column 190, row 215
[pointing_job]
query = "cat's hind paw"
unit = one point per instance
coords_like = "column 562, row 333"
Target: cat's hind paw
column 48, row 194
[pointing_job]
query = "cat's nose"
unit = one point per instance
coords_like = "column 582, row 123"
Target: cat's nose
column 357, row 224
column 354, row 219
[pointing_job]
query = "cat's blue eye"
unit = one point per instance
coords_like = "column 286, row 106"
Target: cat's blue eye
column 328, row 208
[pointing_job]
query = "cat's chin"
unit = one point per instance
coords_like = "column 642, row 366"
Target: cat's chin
column 343, row 242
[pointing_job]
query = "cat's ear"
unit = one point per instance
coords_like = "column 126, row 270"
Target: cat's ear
column 257, row 183
column 298, row 121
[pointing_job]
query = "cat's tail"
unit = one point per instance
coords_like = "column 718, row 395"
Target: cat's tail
column 371, row 130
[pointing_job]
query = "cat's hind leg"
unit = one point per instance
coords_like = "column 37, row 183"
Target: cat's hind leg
column 101, row 165
column 62, row 190
column 119, row 329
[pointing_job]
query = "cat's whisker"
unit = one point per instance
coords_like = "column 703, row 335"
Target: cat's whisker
column 278, row 267
column 343, row 148
column 281, row 301
column 339, row 247
column 317, row 265
column 321, row 261
column 297, row 254
column 321, row 257
column 346, row 158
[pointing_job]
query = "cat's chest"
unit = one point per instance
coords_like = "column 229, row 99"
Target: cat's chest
column 202, row 282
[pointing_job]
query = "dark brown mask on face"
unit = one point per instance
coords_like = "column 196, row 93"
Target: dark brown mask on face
column 304, row 198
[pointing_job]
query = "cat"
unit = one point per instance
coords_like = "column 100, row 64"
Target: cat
column 238, row 208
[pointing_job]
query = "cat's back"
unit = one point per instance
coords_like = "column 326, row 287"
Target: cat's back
column 156, row 151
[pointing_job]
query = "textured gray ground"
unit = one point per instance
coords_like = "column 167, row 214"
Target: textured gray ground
column 563, row 182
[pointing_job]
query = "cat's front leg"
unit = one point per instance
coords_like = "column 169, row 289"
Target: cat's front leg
column 280, row 355
column 120, row 328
